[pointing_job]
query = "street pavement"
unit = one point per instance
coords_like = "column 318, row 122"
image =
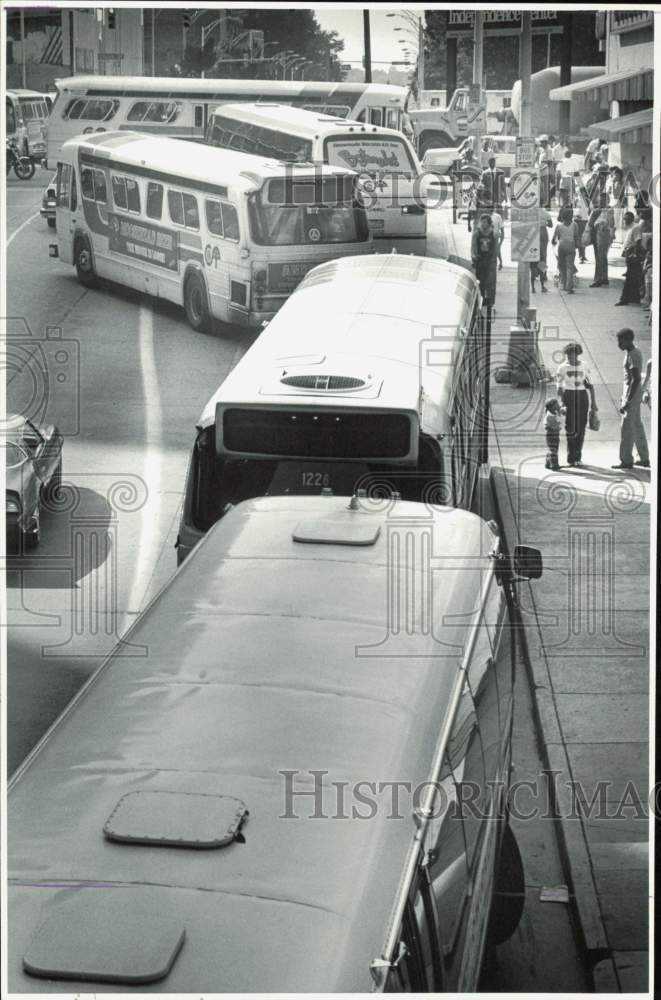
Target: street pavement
column 587, row 620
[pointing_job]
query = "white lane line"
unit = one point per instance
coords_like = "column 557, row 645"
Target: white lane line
column 148, row 538
column 22, row 226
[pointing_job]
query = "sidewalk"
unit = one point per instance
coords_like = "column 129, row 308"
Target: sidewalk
column 587, row 619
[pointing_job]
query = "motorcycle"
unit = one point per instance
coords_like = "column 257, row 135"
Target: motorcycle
column 24, row 167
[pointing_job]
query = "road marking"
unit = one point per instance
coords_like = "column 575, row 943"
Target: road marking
column 22, row 226
column 148, row 538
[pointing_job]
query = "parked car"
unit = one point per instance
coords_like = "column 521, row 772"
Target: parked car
column 33, row 463
column 49, row 202
column 440, row 161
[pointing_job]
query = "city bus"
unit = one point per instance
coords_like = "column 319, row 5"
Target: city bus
column 26, row 115
column 227, row 235
column 370, row 377
column 271, row 797
column 386, row 161
column 180, row 107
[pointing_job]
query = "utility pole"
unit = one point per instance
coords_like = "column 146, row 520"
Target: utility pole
column 23, row 66
column 478, row 67
column 525, row 129
column 564, row 116
column 421, row 59
column 368, row 46
column 153, row 42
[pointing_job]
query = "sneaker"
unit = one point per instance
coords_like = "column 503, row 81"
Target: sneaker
column 643, row 465
column 622, row 465
column 596, row 284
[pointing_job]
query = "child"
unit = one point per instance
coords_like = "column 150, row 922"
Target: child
column 552, row 426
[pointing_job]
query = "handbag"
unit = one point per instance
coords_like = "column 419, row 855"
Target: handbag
column 593, row 420
column 586, row 238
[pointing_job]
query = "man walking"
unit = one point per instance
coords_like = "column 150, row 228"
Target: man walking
column 632, row 432
column 493, row 181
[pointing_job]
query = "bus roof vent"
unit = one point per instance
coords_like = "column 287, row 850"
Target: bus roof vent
column 106, row 935
column 325, row 383
column 176, row 819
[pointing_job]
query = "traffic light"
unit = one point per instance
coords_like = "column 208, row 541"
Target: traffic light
column 186, row 19
column 111, row 17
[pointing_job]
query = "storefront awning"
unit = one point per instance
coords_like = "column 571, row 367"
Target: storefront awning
column 636, row 84
column 635, row 128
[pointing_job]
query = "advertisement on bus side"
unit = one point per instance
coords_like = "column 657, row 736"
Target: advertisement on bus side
column 144, row 241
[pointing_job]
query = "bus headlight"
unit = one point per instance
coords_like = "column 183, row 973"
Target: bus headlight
column 260, row 281
column 413, row 210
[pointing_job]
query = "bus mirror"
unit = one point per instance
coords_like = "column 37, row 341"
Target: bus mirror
column 527, row 562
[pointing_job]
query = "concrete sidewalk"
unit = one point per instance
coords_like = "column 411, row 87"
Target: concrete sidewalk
column 587, row 619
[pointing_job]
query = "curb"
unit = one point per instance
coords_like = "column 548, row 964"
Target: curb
column 573, row 847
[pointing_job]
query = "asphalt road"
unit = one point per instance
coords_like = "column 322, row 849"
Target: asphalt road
column 125, row 379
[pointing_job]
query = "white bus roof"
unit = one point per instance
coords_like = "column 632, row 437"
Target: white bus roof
column 252, row 664
column 140, row 86
column 191, row 161
column 299, row 121
column 396, row 322
column 25, row 93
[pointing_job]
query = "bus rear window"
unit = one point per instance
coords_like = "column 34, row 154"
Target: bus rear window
column 304, row 434
column 369, row 154
column 288, row 212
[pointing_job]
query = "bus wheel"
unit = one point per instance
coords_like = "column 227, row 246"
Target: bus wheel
column 509, row 892
column 195, row 302
column 82, row 256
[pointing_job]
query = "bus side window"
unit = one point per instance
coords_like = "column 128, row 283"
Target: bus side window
column 230, row 222
column 391, row 118
column 191, row 212
column 176, row 207
column 132, row 195
column 376, row 117
column 119, row 192
column 466, row 754
column 154, row 200
column 87, row 183
column 100, row 188
column 74, row 192
column 362, row 117
column 214, row 217
column 199, row 115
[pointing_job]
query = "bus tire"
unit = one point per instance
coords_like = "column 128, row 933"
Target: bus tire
column 509, row 891
column 82, row 257
column 196, row 302
column 434, row 140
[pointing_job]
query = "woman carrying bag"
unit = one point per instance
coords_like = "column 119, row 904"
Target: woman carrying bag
column 566, row 236
column 577, row 395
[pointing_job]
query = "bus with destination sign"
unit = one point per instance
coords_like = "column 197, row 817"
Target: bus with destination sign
column 226, row 235
column 180, row 107
column 390, row 172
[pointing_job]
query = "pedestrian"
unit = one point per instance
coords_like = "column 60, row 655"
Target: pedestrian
column 566, row 172
column 603, row 153
column 484, row 255
column 581, row 220
column 590, row 153
column 577, row 395
column 493, row 181
column 602, row 230
column 499, row 230
column 469, row 172
column 632, row 431
column 539, row 268
column 634, row 255
column 546, row 171
column 552, row 426
column 558, row 150
column 566, row 237
column 647, row 273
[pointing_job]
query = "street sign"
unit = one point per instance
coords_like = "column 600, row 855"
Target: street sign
column 525, row 234
column 525, row 151
column 524, row 188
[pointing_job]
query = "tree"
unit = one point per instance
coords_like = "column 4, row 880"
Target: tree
column 295, row 31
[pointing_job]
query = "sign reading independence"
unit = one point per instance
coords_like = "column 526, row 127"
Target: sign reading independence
column 143, row 241
column 460, row 22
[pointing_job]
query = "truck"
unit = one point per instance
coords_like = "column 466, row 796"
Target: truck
column 438, row 128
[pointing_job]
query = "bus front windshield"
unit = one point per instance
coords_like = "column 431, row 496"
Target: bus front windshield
column 292, row 212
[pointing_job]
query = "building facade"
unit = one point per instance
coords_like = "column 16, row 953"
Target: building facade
column 44, row 44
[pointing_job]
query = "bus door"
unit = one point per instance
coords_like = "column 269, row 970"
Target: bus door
column 67, row 210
